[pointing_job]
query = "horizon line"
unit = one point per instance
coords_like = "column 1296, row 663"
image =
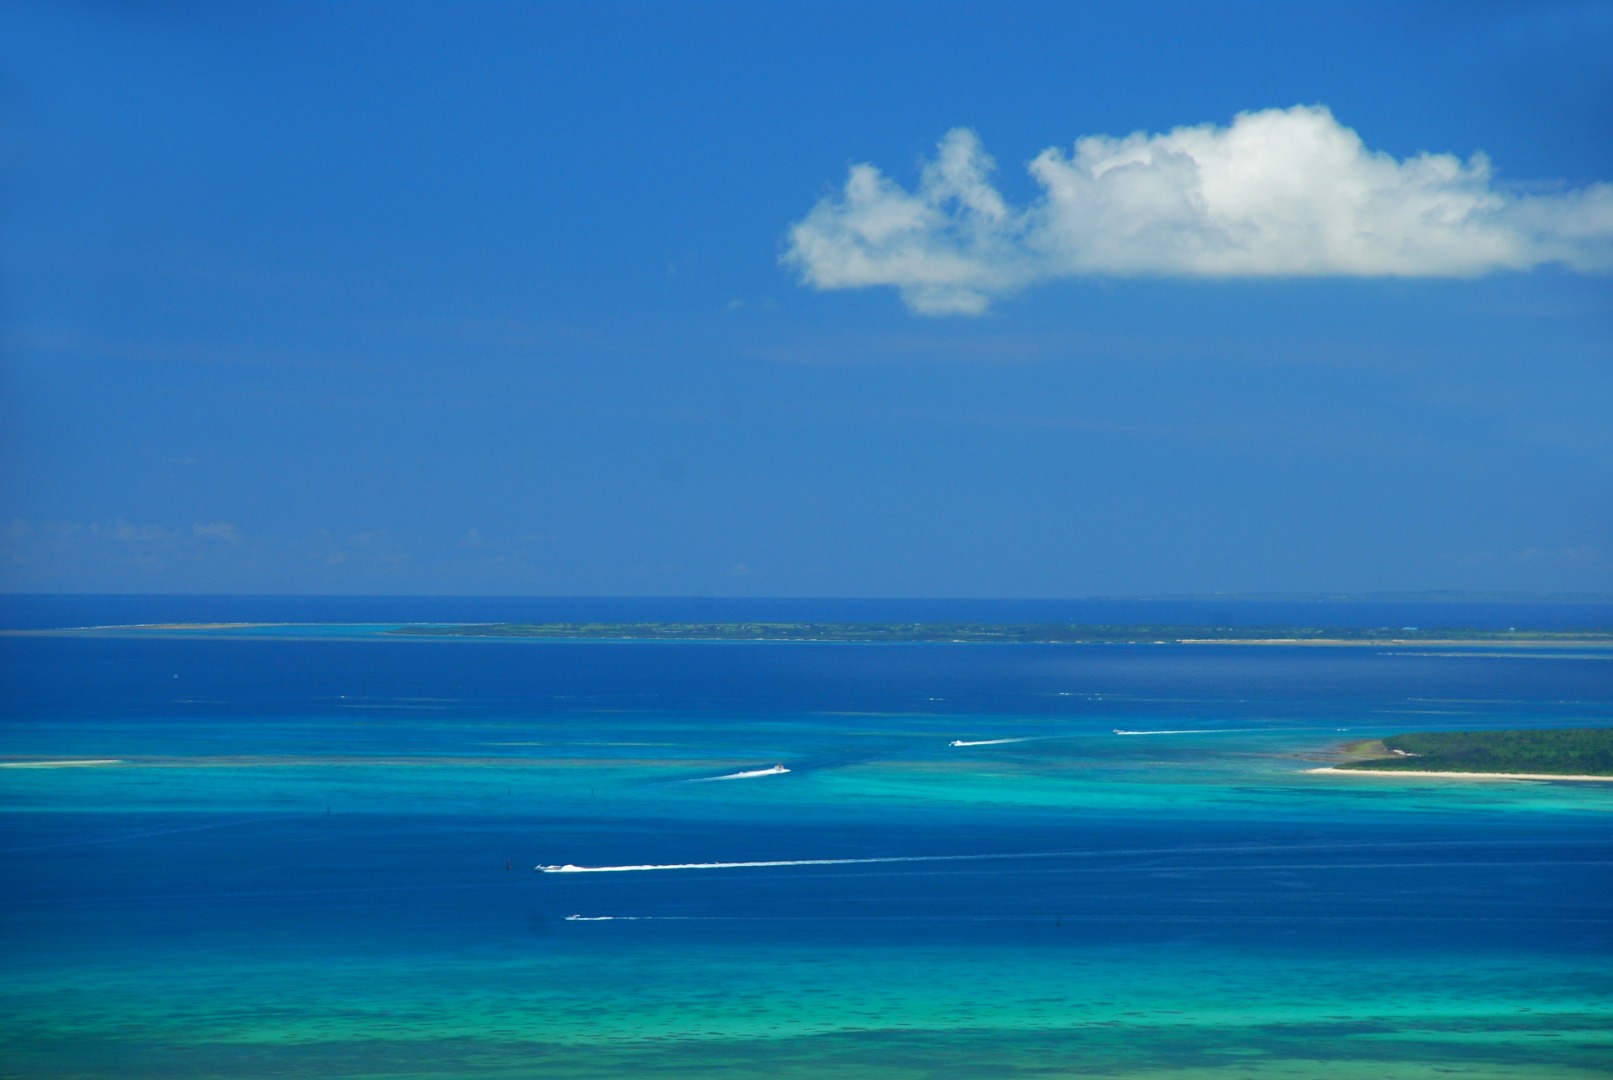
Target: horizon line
column 1335, row 596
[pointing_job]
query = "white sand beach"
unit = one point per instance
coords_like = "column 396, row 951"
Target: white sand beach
column 1458, row 775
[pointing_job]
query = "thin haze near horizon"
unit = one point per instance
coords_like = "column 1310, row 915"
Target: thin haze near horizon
column 723, row 299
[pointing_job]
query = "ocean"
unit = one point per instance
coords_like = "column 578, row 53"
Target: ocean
column 322, row 852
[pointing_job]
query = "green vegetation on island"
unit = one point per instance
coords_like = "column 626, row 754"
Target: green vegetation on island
column 1014, row 633
column 1559, row 752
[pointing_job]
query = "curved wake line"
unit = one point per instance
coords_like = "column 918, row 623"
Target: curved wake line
column 749, row 774
column 145, row 834
column 986, row 742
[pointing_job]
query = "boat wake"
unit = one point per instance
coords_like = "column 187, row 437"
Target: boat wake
column 985, row 742
column 749, row 774
column 605, row 918
column 1191, row 731
column 572, row 868
column 1093, row 854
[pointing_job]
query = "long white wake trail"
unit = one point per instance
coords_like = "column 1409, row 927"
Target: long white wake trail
column 748, row 774
column 572, row 868
column 1196, row 731
column 1097, row 854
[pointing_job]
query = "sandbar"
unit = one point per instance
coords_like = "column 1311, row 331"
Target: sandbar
column 73, row 764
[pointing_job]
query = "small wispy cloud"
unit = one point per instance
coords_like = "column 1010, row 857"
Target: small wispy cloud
column 132, row 532
column 1282, row 192
column 217, row 530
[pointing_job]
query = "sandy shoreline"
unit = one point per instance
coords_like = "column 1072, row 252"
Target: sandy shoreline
column 1459, row 775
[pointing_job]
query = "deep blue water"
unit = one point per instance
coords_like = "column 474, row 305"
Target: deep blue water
column 317, row 855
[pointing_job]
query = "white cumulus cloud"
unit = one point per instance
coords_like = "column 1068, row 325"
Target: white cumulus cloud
column 1282, row 192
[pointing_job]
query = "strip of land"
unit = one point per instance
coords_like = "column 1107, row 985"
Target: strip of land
column 1528, row 754
column 893, row 633
column 1012, row 633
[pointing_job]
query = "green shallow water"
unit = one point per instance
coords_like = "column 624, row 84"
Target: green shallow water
column 851, row 1010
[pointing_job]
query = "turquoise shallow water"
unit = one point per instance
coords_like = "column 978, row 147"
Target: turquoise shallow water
column 297, row 863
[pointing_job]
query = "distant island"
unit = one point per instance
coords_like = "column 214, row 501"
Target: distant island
column 1571, row 753
column 1038, row 633
column 1011, row 633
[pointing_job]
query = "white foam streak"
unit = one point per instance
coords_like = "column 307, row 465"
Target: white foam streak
column 1191, row 731
column 1185, row 850
column 985, row 742
column 572, row 868
column 604, row 918
column 749, row 774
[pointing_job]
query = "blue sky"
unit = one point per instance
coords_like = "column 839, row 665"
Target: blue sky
column 516, row 298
